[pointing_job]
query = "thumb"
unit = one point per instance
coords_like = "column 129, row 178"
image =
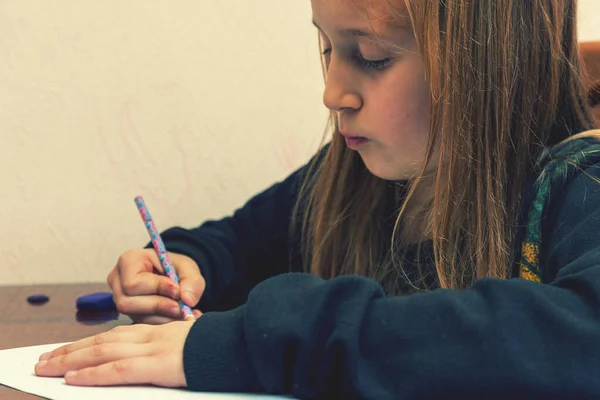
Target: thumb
column 191, row 282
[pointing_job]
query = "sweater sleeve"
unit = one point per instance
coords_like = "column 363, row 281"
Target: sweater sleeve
column 343, row 338
column 236, row 252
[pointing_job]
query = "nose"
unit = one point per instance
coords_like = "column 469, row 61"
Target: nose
column 340, row 88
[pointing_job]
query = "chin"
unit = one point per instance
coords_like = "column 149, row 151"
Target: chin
column 388, row 172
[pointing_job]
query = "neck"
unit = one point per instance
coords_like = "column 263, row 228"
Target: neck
column 416, row 219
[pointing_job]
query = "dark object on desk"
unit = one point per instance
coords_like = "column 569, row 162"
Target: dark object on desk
column 38, row 299
column 22, row 324
column 92, row 318
column 101, row 301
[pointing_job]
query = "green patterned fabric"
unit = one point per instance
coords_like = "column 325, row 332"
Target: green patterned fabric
column 562, row 164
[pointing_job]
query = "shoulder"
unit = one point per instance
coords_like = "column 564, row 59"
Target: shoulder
column 572, row 208
column 571, row 176
column 561, row 165
column 584, row 150
column 564, row 197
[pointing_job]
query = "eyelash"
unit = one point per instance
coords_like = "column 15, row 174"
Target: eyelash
column 377, row 65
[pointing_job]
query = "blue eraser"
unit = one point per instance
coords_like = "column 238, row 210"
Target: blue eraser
column 101, row 301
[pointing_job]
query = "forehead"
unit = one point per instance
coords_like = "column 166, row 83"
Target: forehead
column 375, row 15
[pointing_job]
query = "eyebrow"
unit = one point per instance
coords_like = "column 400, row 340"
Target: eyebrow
column 350, row 31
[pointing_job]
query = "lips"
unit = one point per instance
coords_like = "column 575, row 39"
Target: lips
column 352, row 136
column 354, row 142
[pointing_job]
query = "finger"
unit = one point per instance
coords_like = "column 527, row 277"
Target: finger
column 159, row 320
column 127, row 305
column 128, row 334
column 90, row 357
column 111, row 276
column 137, row 275
column 148, row 305
column 152, row 319
column 146, row 283
column 142, row 258
column 130, row 371
column 191, row 282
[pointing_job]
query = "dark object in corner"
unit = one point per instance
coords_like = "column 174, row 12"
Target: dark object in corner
column 38, row 299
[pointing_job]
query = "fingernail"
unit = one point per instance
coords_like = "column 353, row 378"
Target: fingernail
column 174, row 293
column 45, row 356
column 176, row 311
column 70, row 374
column 42, row 364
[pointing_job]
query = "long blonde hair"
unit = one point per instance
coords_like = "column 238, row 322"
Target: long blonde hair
column 505, row 83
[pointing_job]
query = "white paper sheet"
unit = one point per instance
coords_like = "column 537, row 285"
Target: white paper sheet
column 16, row 371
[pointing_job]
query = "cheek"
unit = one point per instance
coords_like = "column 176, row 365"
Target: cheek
column 405, row 103
column 409, row 116
column 414, row 96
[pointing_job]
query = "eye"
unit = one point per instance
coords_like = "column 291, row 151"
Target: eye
column 374, row 64
column 377, row 65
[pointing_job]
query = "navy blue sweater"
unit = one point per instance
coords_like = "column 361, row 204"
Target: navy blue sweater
column 268, row 329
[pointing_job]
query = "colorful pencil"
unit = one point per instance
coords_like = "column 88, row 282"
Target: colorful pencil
column 161, row 250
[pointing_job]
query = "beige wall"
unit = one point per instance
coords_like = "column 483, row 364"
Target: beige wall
column 195, row 104
column 589, row 20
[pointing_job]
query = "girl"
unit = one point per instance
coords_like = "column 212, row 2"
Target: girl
column 443, row 243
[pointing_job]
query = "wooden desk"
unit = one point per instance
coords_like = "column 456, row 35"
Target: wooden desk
column 22, row 324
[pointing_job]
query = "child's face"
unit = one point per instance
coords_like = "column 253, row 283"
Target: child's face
column 375, row 92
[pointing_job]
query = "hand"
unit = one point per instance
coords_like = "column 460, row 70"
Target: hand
column 142, row 292
column 126, row 355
